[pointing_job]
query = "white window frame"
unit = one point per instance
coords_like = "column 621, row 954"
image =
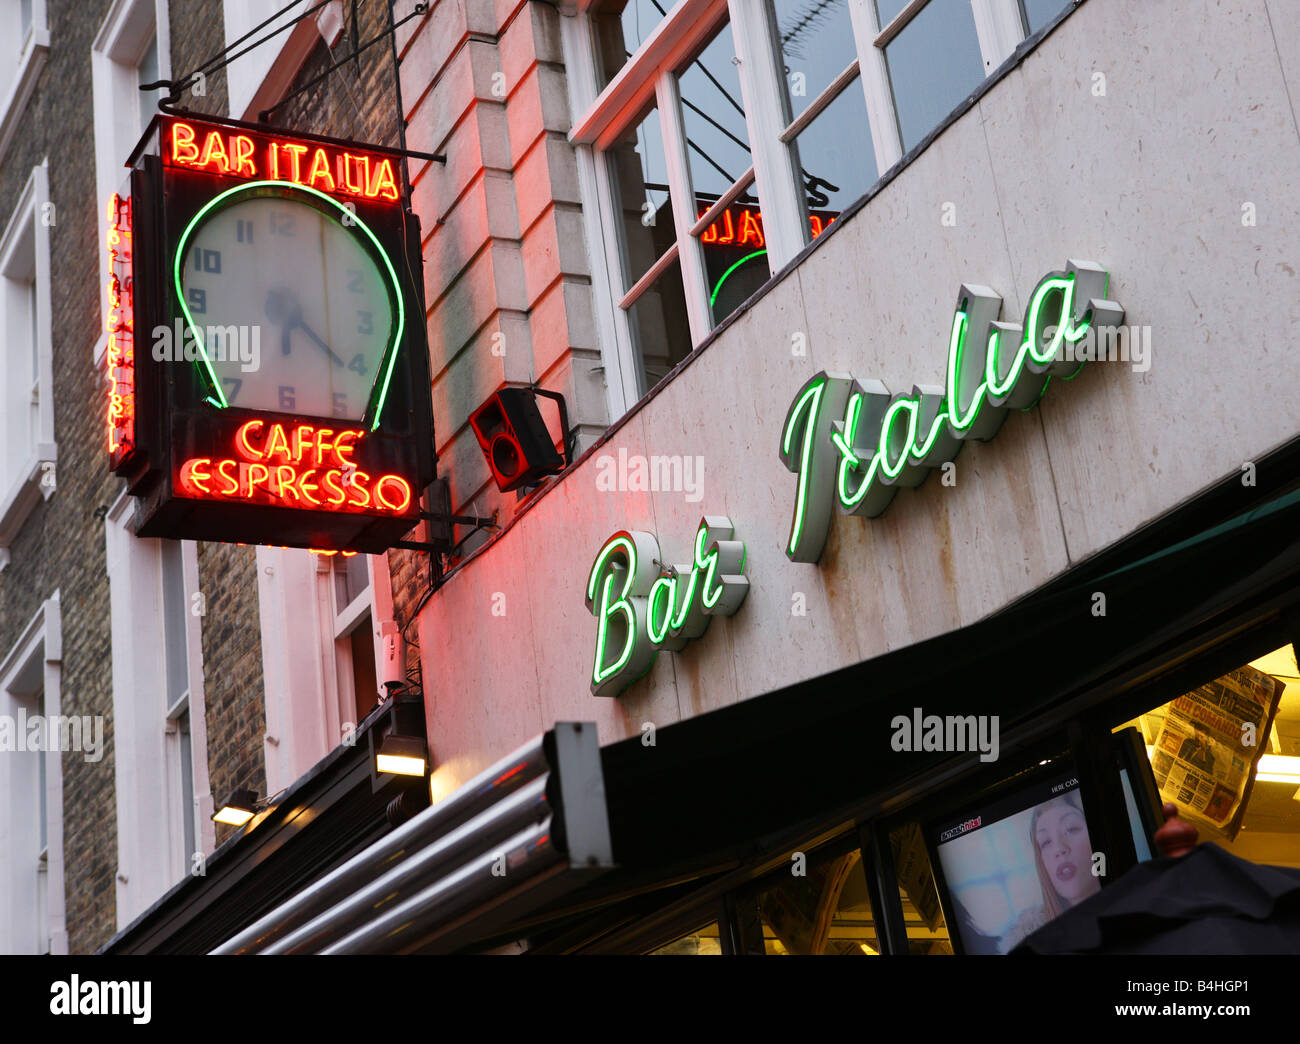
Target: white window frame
column 150, row 827
column 602, row 116
column 31, row 57
column 35, row 475
column 28, row 923
column 260, row 78
column 115, row 57
column 310, row 702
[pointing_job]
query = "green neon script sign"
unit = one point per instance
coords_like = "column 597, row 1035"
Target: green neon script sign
column 854, row 443
column 642, row 606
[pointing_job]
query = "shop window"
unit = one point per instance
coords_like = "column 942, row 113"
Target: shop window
column 703, row 942
column 1227, row 753
column 927, row 931
column 820, row 909
column 620, row 28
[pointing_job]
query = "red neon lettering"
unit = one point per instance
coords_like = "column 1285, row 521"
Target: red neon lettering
column 299, row 433
column 183, row 148
column 244, row 156
column 234, row 482
column 333, row 487
column 285, row 481
column 358, row 478
column 241, row 439
column 344, row 453
column 383, row 183
column 263, row 473
column 404, row 490
column 751, row 231
column 214, row 151
column 730, row 237
column 358, row 187
column 816, row 223
column 320, row 168
column 308, row 488
column 277, row 444
column 296, row 152
column 194, row 474
column 323, row 444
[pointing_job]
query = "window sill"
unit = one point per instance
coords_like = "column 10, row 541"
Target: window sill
column 23, row 496
column 29, row 68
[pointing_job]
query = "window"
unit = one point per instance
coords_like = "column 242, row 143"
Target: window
column 1242, row 796
column 22, row 56
column 320, row 615
column 703, row 942
column 26, row 415
column 131, row 49
column 725, row 137
column 163, row 796
column 824, row 911
column 32, row 911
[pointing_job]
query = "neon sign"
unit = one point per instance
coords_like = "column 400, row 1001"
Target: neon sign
column 642, row 606
column 119, row 322
column 855, row 444
column 262, row 157
column 742, row 226
column 300, row 467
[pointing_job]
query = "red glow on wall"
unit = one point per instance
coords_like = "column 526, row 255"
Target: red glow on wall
column 247, row 154
column 299, row 466
column 119, row 321
column 742, row 226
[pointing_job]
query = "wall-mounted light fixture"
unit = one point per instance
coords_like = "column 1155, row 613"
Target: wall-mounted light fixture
column 239, row 808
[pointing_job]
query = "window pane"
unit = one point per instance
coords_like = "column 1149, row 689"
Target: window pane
column 927, row 932
column 826, row 912
column 887, row 10
column 351, row 579
column 816, row 40
column 640, row 175
column 735, row 257
column 717, row 142
column 934, row 63
column 175, row 650
column 38, row 707
column 364, row 682
column 660, row 329
column 621, row 27
column 1039, row 12
column 187, row 785
column 704, row 943
column 837, row 158
column 25, row 14
column 147, row 72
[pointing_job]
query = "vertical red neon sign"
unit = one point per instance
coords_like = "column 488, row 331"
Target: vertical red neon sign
column 120, row 324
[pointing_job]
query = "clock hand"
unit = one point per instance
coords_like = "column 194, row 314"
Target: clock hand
column 320, row 344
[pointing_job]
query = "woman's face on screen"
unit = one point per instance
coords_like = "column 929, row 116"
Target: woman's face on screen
column 1061, row 834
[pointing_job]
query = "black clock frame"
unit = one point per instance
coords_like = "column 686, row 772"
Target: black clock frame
column 175, row 421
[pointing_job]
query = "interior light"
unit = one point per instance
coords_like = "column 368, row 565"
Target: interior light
column 402, row 756
column 238, row 809
column 1278, row 768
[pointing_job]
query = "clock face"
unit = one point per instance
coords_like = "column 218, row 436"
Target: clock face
column 295, row 311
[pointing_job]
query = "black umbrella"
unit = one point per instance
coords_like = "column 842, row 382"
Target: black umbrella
column 1205, row 902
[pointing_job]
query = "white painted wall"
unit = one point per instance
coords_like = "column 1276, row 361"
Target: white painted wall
column 1148, row 180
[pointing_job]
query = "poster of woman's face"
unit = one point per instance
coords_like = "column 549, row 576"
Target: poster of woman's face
column 1011, row 874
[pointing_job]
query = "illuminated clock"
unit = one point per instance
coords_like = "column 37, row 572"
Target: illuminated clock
column 296, row 305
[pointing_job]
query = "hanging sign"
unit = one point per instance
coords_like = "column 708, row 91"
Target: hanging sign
column 278, row 386
column 642, row 606
column 855, row 444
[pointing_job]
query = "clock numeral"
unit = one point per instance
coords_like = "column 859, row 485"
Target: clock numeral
column 198, row 300
column 282, row 224
column 365, row 323
column 358, row 364
column 233, row 384
column 340, row 404
column 207, row 260
column 354, row 280
column 244, row 231
column 287, row 396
